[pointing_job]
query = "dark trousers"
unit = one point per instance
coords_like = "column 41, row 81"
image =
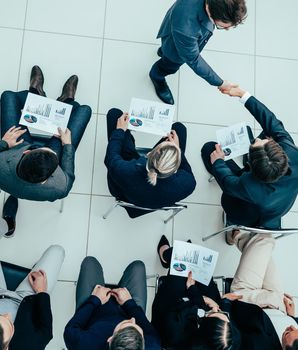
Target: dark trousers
column 133, row 278
column 238, row 211
column 12, row 104
column 129, row 152
column 163, row 67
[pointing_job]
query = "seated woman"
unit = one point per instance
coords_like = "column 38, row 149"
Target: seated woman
column 179, row 308
column 188, row 314
column 160, row 179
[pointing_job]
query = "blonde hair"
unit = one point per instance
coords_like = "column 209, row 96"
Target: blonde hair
column 163, row 161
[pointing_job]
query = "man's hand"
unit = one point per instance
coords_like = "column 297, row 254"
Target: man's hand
column 102, row 293
column 65, row 137
column 121, row 295
column 11, row 136
column 122, row 122
column 234, row 92
column 289, row 304
column 173, row 137
column 38, row 281
column 232, row 296
column 217, row 154
column 226, row 87
column 211, row 303
column 190, row 281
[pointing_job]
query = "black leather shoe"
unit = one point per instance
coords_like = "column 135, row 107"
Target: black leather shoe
column 37, row 80
column 163, row 91
column 159, row 52
column 9, row 213
column 163, row 241
column 69, row 88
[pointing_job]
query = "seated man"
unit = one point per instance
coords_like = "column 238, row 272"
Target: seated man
column 261, row 195
column 160, row 179
column 25, row 314
column 257, row 281
column 110, row 318
column 29, row 170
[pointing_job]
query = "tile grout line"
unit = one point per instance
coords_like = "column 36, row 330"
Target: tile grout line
column 255, row 58
column 147, row 43
column 22, row 46
column 96, row 127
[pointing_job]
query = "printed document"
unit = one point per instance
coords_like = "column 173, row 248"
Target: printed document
column 192, row 257
column 150, row 116
column 234, row 140
column 43, row 115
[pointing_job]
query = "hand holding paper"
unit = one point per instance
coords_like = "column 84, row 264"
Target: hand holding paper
column 217, row 154
column 122, row 122
column 65, row 136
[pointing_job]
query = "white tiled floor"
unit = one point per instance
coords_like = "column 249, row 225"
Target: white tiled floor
column 111, row 46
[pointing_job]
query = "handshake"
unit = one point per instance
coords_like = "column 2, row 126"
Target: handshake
column 231, row 89
column 104, row 294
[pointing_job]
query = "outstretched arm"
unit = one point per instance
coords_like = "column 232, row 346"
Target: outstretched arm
column 271, row 126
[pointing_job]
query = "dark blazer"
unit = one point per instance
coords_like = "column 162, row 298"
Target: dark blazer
column 185, row 31
column 174, row 310
column 57, row 186
column 93, row 323
column 272, row 200
column 33, row 323
column 128, row 179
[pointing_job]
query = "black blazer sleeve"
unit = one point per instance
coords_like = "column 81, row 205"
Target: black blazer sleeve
column 3, row 146
column 33, row 324
column 271, row 126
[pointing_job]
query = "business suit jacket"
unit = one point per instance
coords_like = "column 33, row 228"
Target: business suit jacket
column 33, row 324
column 257, row 330
column 174, row 310
column 185, row 31
column 128, row 179
column 93, row 323
column 271, row 200
column 57, row 186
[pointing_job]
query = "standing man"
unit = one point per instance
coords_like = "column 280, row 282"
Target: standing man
column 184, row 32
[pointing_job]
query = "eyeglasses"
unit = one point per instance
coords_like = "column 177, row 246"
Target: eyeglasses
column 219, row 27
column 211, row 312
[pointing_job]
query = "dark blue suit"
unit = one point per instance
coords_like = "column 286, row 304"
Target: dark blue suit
column 184, row 33
column 127, row 179
column 267, row 202
column 93, row 323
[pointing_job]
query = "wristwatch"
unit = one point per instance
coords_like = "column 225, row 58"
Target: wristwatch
column 201, row 313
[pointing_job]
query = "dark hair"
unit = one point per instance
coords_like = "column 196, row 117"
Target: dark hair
column 37, row 165
column 3, row 345
column 269, row 162
column 216, row 334
column 128, row 338
column 227, row 11
column 294, row 346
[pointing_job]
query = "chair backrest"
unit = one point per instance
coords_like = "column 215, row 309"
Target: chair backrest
column 13, row 274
